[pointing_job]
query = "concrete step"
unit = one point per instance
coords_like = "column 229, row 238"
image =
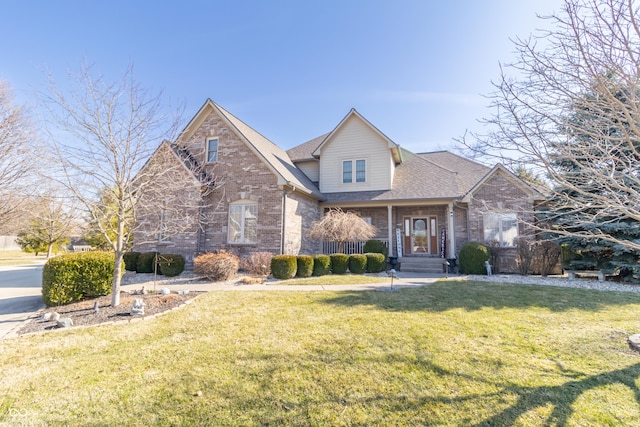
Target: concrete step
column 421, row 264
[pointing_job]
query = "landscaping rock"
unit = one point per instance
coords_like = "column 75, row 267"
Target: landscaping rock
column 65, row 322
column 55, row 316
column 165, row 291
column 634, row 342
column 138, row 307
column 46, row 317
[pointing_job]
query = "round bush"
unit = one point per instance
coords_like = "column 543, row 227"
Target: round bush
column 284, row 266
column 73, row 277
column 145, row 263
column 305, row 266
column 376, row 262
column 219, row 267
column 339, row 263
column 131, row 261
column 171, row 264
column 472, row 258
column 375, row 246
column 357, row 263
column 321, row 265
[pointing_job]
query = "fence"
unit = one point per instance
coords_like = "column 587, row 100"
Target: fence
column 347, row 247
column 8, row 243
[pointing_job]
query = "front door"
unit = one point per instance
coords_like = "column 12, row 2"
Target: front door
column 421, row 235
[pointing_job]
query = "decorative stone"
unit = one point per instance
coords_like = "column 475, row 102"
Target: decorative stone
column 183, row 292
column 96, row 308
column 55, row 316
column 165, row 291
column 138, row 307
column 634, row 342
column 46, row 317
column 65, row 322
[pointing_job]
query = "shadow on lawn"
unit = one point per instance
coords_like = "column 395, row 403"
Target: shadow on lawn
column 468, row 295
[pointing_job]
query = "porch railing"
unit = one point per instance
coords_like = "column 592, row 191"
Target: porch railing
column 348, row 247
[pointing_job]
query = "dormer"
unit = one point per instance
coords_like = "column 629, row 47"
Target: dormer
column 356, row 156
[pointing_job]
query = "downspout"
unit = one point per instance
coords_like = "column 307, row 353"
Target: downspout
column 285, row 193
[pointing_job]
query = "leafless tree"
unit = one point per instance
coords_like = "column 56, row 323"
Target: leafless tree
column 341, row 227
column 568, row 108
column 16, row 162
column 110, row 131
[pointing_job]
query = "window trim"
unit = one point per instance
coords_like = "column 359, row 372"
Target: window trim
column 353, row 171
column 243, row 204
column 207, row 150
column 500, row 217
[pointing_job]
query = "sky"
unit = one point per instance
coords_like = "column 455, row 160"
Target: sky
column 418, row 70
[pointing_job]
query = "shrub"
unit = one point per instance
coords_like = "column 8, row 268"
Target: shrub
column 284, row 266
column 375, row 246
column 525, row 252
column 258, row 263
column 321, row 265
column 305, row 266
column 357, row 263
column 218, row 266
column 339, row 263
column 472, row 258
column 376, row 262
column 131, row 261
column 145, row 263
column 72, row 277
column 171, row 264
column 548, row 252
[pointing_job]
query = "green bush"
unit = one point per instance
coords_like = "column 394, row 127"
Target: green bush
column 145, row 263
column 131, row 261
column 472, row 258
column 219, row 266
column 375, row 246
column 339, row 263
column 321, row 265
column 376, row 262
column 284, row 266
column 171, row 264
column 305, row 266
column 357, row 263
column 73, row 277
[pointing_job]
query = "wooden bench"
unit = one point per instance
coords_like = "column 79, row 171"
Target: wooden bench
column 599, row 273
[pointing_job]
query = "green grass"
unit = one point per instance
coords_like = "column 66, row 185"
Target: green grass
column 337, row 279
column 452, row 353
column 19, row 258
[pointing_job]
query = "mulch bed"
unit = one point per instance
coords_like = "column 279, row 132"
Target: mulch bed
column 82, row 313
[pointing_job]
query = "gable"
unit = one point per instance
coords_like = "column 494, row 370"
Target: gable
column 502, row 187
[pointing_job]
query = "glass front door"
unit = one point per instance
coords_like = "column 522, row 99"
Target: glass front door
column 421, row 235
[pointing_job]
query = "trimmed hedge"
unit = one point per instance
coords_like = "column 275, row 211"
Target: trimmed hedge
column 339, row 263
column 321, row 265
column 305, row 266
column 131, row 260
column 472, row 258
column 219, row 267
column 171, row 264
column 73, row 277
column 146, row 261
column 376, row 262
column 357, row 263
column 375, row 246
column 284, row 266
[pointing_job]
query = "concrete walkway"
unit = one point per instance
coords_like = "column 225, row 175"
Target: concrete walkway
column 20, row 295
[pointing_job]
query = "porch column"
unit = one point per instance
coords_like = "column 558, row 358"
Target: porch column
column 451, row 251
column 390, row 229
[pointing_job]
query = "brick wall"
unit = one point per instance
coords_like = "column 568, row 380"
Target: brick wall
column 301, row 212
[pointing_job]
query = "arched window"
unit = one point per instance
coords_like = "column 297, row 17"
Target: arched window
column 243, row 222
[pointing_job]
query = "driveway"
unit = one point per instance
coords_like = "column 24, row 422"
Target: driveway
column 20, row 295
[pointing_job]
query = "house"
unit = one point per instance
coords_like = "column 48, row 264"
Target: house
column 425, row 205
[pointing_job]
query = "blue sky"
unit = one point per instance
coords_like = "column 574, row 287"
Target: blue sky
column 417, row 70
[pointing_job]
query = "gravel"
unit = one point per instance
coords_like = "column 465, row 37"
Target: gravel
column 560, row 281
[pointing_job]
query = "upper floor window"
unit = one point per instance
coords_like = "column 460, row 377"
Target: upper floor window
column 212, row 150
column 501, row 227
column 347, row 171
column 243, row 222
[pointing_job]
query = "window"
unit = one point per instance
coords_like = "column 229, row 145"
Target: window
column 501, row 227
column 212, row 150
column 347, row 168
column 347, row 171
column 243, row 222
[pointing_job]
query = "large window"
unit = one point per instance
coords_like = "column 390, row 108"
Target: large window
column 501, row 227
column 212, row 150
column 347, row 171
column 243, row 222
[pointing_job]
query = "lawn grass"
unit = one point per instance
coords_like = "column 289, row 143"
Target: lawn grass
column 336, row 279
column 19, row 258
column 452, row 353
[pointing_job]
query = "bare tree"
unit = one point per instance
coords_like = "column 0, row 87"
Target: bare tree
column 341, row 227
column 110, row 130
column 568, row 108
column 16, row 163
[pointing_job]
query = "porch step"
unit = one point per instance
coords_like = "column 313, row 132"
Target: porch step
column 421, row 264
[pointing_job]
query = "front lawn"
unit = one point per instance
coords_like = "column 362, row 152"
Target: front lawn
column 451, row 353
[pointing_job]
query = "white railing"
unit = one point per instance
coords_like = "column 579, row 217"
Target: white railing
column 348, row 247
